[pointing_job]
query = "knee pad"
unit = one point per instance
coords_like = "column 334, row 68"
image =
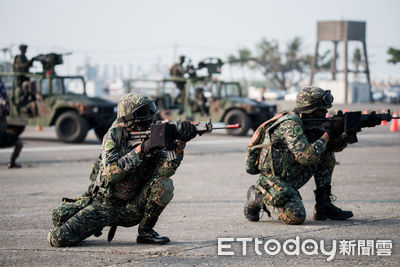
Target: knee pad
column 292, row 217
column 162, row 191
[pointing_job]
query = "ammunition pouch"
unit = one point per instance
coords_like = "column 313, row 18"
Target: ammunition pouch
column 275, row 191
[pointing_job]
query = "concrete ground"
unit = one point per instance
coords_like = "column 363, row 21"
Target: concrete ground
column 210, row 190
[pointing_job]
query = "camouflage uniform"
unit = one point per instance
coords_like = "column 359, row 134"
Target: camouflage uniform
column 21, row 64
column 178, row 71
column 286, row 157
column 128, row 187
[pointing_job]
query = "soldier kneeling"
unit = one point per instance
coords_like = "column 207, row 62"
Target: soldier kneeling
column 286, row 156
column 131, row 181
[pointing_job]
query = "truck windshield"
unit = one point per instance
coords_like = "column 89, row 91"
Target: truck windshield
column 230, row 89
column 61, row 85
column 74, row 86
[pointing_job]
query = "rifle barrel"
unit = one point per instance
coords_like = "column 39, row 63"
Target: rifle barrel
column 229, row 126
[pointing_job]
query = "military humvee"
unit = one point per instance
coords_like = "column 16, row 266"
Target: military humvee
column 200, row 97
column 204, row 98
column 59, row 101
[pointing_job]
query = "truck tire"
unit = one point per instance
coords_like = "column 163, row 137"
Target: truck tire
column 17, row 130
column 237, row 116
column 100, row 132
column 71, row 128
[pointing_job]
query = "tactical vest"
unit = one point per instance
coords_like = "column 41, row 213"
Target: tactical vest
column 259, row 150
column 128, row 188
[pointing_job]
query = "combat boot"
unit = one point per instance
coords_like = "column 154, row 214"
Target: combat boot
column 15, row 154
column 254, row 205
column 324, row 209
column 148, row 236
column 13, row 165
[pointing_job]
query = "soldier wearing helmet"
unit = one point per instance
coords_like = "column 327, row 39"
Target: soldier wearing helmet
column 286, row 156
column 21, row 64
column 131, row 182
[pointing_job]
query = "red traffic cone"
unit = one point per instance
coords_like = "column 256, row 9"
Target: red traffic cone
column 38, row 128
column 345, row 110
column 394, row 125
column 365, row 111
column 327, row 115
column 383, row 123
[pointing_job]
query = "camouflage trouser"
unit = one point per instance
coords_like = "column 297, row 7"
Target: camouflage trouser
column 292, row 212
column 282, row 201
column 77, row 221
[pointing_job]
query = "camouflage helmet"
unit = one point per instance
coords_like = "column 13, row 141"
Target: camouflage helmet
column 133, row 108
column 312, row 98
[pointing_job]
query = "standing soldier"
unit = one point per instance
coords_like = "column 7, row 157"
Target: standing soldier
column 131, row 183
column 286, row 157
column 177, row 71
column 22, row 64
column 8, row 139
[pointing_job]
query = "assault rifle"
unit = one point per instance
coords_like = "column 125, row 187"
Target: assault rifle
column 201, row 128
column 350, row 122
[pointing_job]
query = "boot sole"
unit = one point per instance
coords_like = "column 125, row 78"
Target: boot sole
column 140, row 240
column 325, row 217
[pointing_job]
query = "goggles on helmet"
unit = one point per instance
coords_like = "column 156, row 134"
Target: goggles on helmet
column 143, row 112
column 325, row 101
column 327, row 98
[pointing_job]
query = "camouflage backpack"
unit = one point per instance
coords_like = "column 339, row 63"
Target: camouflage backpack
column 259, row 148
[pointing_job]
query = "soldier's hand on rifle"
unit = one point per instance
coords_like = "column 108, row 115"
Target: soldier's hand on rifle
column 148, row 147
column 329, row 128
column 187, row 131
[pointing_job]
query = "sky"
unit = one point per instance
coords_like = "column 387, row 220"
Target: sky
column 142, row 33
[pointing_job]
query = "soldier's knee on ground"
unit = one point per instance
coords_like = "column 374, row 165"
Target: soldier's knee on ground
column 162, row 191
column 293, row 212
column 58, row 238
column 290, row 217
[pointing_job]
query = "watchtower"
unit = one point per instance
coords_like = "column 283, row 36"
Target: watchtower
column 337, row 31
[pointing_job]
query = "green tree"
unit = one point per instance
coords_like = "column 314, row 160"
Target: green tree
column 242, row 59
column 324, row 60
column 285, row 68
column 395, row 55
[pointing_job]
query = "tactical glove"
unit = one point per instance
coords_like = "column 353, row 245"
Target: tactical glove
column 147, row 147
column 328, row 127
column 187, row 131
